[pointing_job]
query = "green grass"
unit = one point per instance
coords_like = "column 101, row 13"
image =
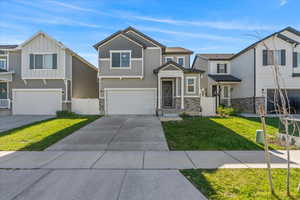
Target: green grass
column 40, row 135
column 216, row 133
column 240, row 184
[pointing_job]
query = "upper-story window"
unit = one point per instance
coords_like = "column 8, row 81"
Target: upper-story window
column 168, row 59
column 43, row 61
column 3, row 63
column 120, row 59
column 191, row 85
column 296, row 59
column 272, row 57
column 180, row 61
column 222, row 68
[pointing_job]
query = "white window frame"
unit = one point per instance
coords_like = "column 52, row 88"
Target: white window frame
column 43, row 53
column 166, row 58
column 183, row 64
column 187, row 84
column 119, row 51
column 6, row 63
column 225, row 64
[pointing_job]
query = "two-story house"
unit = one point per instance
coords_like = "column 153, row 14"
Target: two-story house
column 42, row 75
column 138, row 75
column 246, row 79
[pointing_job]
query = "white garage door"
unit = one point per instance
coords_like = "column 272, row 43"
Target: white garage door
column 36, row 101
column 131, row 101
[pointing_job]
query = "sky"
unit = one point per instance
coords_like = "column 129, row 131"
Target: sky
column 203, row 26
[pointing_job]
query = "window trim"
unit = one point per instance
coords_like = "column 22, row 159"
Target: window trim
column 183, row 64
column 272, row 62
column 119, row 51
column 226, row 68
column 172, row 58
column 42, row 53
column 187, row 84
column 6, row 63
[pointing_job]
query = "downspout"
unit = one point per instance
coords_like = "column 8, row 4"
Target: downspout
column 254, row 92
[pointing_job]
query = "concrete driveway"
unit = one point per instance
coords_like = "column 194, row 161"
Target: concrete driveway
column 15, row 121
column 117, row 133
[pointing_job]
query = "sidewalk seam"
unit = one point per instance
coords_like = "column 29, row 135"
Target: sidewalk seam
column 188, row 156
column 122, row 184
column 236, row 159
column 94, row 163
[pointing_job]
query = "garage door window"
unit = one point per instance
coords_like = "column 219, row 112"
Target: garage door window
column 120, row 59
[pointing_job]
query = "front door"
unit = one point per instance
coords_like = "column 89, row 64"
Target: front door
column 3, row 90
column 167, row 94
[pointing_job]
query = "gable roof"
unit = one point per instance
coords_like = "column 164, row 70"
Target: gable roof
column 8, row 46
column 155, row 71
column 125, row 34
column 177, row 50
column 290, row 29
column 216, row 56
column 60, row 44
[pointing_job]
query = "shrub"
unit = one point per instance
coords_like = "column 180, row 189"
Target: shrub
column 65, row 113
column 184, row 115
column 225, row 111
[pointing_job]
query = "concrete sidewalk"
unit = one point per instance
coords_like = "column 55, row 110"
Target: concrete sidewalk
column 91, row 184
column 143, row 159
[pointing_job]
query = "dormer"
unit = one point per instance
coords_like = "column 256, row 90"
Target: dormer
column 178, row 55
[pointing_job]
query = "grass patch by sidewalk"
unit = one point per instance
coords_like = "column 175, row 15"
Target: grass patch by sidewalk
column 40, row 135
column 216, row 133
column 236, row 184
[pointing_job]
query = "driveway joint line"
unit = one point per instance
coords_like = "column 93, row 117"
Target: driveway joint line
column 227, row 153
column 122, row 184
column 143, row 165
column 117, row 132
column 94, row 163
column 188, row 156
column 31, row 185
column 51, row 160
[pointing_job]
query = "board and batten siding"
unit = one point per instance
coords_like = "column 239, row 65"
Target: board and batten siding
column 264, row 74
column 42, row 44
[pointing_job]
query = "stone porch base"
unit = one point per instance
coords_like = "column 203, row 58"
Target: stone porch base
column 246, row 105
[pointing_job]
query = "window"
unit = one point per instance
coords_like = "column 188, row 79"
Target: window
column 3, row 90
column 43, row 61
column 296, row 59
column 191, row 85
column 180, row 61
column 271, row 57
column 168, row 59
column 222, row 68
column 3, row 63
column 120, row 59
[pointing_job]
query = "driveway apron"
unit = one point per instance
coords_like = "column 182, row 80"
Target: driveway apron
column 120, row 133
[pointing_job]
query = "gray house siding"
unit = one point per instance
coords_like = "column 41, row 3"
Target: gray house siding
column 175, row 56
column 84, row 80
column 120, row 43
column 151, row 61
column 135, row 70
column 18, row 83
column 139, row 38
column 201, row 63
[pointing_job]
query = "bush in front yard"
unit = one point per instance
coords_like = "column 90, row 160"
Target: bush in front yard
column 225, row 111
column 65, row 113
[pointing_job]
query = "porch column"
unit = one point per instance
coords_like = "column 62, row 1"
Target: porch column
column 182, row 92
column 159, row 92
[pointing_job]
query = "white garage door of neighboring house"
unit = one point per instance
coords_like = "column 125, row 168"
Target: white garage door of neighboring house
column 36, row 101
column 131, row 101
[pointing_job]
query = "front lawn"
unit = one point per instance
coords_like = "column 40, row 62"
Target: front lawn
column 40, row 135
column 236, row 184
column 216, row 133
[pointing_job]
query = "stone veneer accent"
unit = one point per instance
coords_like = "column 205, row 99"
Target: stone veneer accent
column 101, row 106
column 192, row 105
column 246, row 104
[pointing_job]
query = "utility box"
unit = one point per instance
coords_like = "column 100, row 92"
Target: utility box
column 260, row 137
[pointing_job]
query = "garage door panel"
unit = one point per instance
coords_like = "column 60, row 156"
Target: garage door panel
column 131, row 102
column 36, row 102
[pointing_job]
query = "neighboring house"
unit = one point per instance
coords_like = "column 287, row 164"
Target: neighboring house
column 246, row 79
column 138, row 75
column 42, row 76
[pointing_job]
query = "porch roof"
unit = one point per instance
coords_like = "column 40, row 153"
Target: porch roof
column 185, row 70
column 224, row 78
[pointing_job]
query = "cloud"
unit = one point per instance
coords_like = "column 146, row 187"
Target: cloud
column 189, row 34
column 56, row 21
column 283, row 2
column 230, row 25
